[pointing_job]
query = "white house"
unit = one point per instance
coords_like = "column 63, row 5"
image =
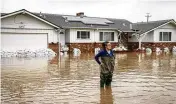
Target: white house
column 23, row 29
column 153, row 34
column 87, row 33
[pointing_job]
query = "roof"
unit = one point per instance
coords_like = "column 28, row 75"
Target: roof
column 2, row 14
column 88, row 20
column 143, row 27
column 60, row 21
column 117, row 24
column 70, row 21
column 23, row 11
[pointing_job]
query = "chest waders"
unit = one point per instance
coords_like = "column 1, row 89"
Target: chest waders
column 106, row 70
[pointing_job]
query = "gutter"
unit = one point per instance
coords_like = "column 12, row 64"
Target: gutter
column 92, row 28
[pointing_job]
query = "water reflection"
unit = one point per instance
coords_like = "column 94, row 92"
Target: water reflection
column 106, row 96
column 24, row 63
column 139, row 78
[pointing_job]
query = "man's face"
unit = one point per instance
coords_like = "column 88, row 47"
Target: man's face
column 108, row 46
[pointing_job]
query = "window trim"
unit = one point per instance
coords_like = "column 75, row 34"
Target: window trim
column 161, row 35
column 80, row 35
column 104, row 35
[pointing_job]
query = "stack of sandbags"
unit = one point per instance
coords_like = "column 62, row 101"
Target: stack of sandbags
column 28, row 53
column 8, row 53
column 120, row 48
column 97, row 50
column 64, row 48
column 174, row 49
column 166, row 50
column 76, row 52
column 51, row 52
column 158, row 50
column 148, row 50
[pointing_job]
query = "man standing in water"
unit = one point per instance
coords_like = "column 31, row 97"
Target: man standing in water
column 106, row 64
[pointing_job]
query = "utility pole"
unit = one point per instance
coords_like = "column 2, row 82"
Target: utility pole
column 148, row 16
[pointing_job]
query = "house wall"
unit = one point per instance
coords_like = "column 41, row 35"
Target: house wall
column 147, row 38
column 94, row 36
column 67, row 35
column 151, row 40
column 87, row 45
column 153, row 36
column 73, row 36
column 27, row 20
column 30, row 25
column 167, row 28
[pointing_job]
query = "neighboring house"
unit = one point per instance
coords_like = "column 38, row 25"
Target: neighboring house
column 153, row 34
column 23, row 29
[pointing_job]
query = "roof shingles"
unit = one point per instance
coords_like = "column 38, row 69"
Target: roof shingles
column 118, row 24
column 143, row 27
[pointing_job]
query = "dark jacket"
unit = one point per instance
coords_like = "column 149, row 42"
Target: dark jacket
column 107, row 62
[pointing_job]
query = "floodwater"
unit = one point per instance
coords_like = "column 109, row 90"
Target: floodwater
column 138, row 79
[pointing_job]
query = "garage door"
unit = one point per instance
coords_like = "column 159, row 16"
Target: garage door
column 10, row 41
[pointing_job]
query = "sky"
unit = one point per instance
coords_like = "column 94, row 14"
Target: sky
column 132, row 10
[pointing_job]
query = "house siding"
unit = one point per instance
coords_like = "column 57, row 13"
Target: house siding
column 87, row 45
column 31, row 25
column 94, row 36
column 73, row 36
column 27, row 20
column 166, row 28
column 67, row 36
column 149, row 37
column 151, row 40
column 153, row 36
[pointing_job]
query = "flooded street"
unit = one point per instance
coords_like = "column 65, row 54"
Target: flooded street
column 138, row 79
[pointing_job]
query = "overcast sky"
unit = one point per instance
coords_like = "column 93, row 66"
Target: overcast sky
column 132, row 10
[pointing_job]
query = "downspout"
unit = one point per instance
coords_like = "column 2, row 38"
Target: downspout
column 58, row 39
column 139, row 40
column 139, row 44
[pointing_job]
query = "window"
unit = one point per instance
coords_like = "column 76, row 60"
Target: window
column 165, row 36
column 83, row 34
column 106, row 36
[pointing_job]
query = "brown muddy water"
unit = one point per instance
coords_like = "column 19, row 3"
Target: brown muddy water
column 138, row 79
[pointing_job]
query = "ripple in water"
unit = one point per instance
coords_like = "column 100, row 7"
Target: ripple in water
column 138, row 79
